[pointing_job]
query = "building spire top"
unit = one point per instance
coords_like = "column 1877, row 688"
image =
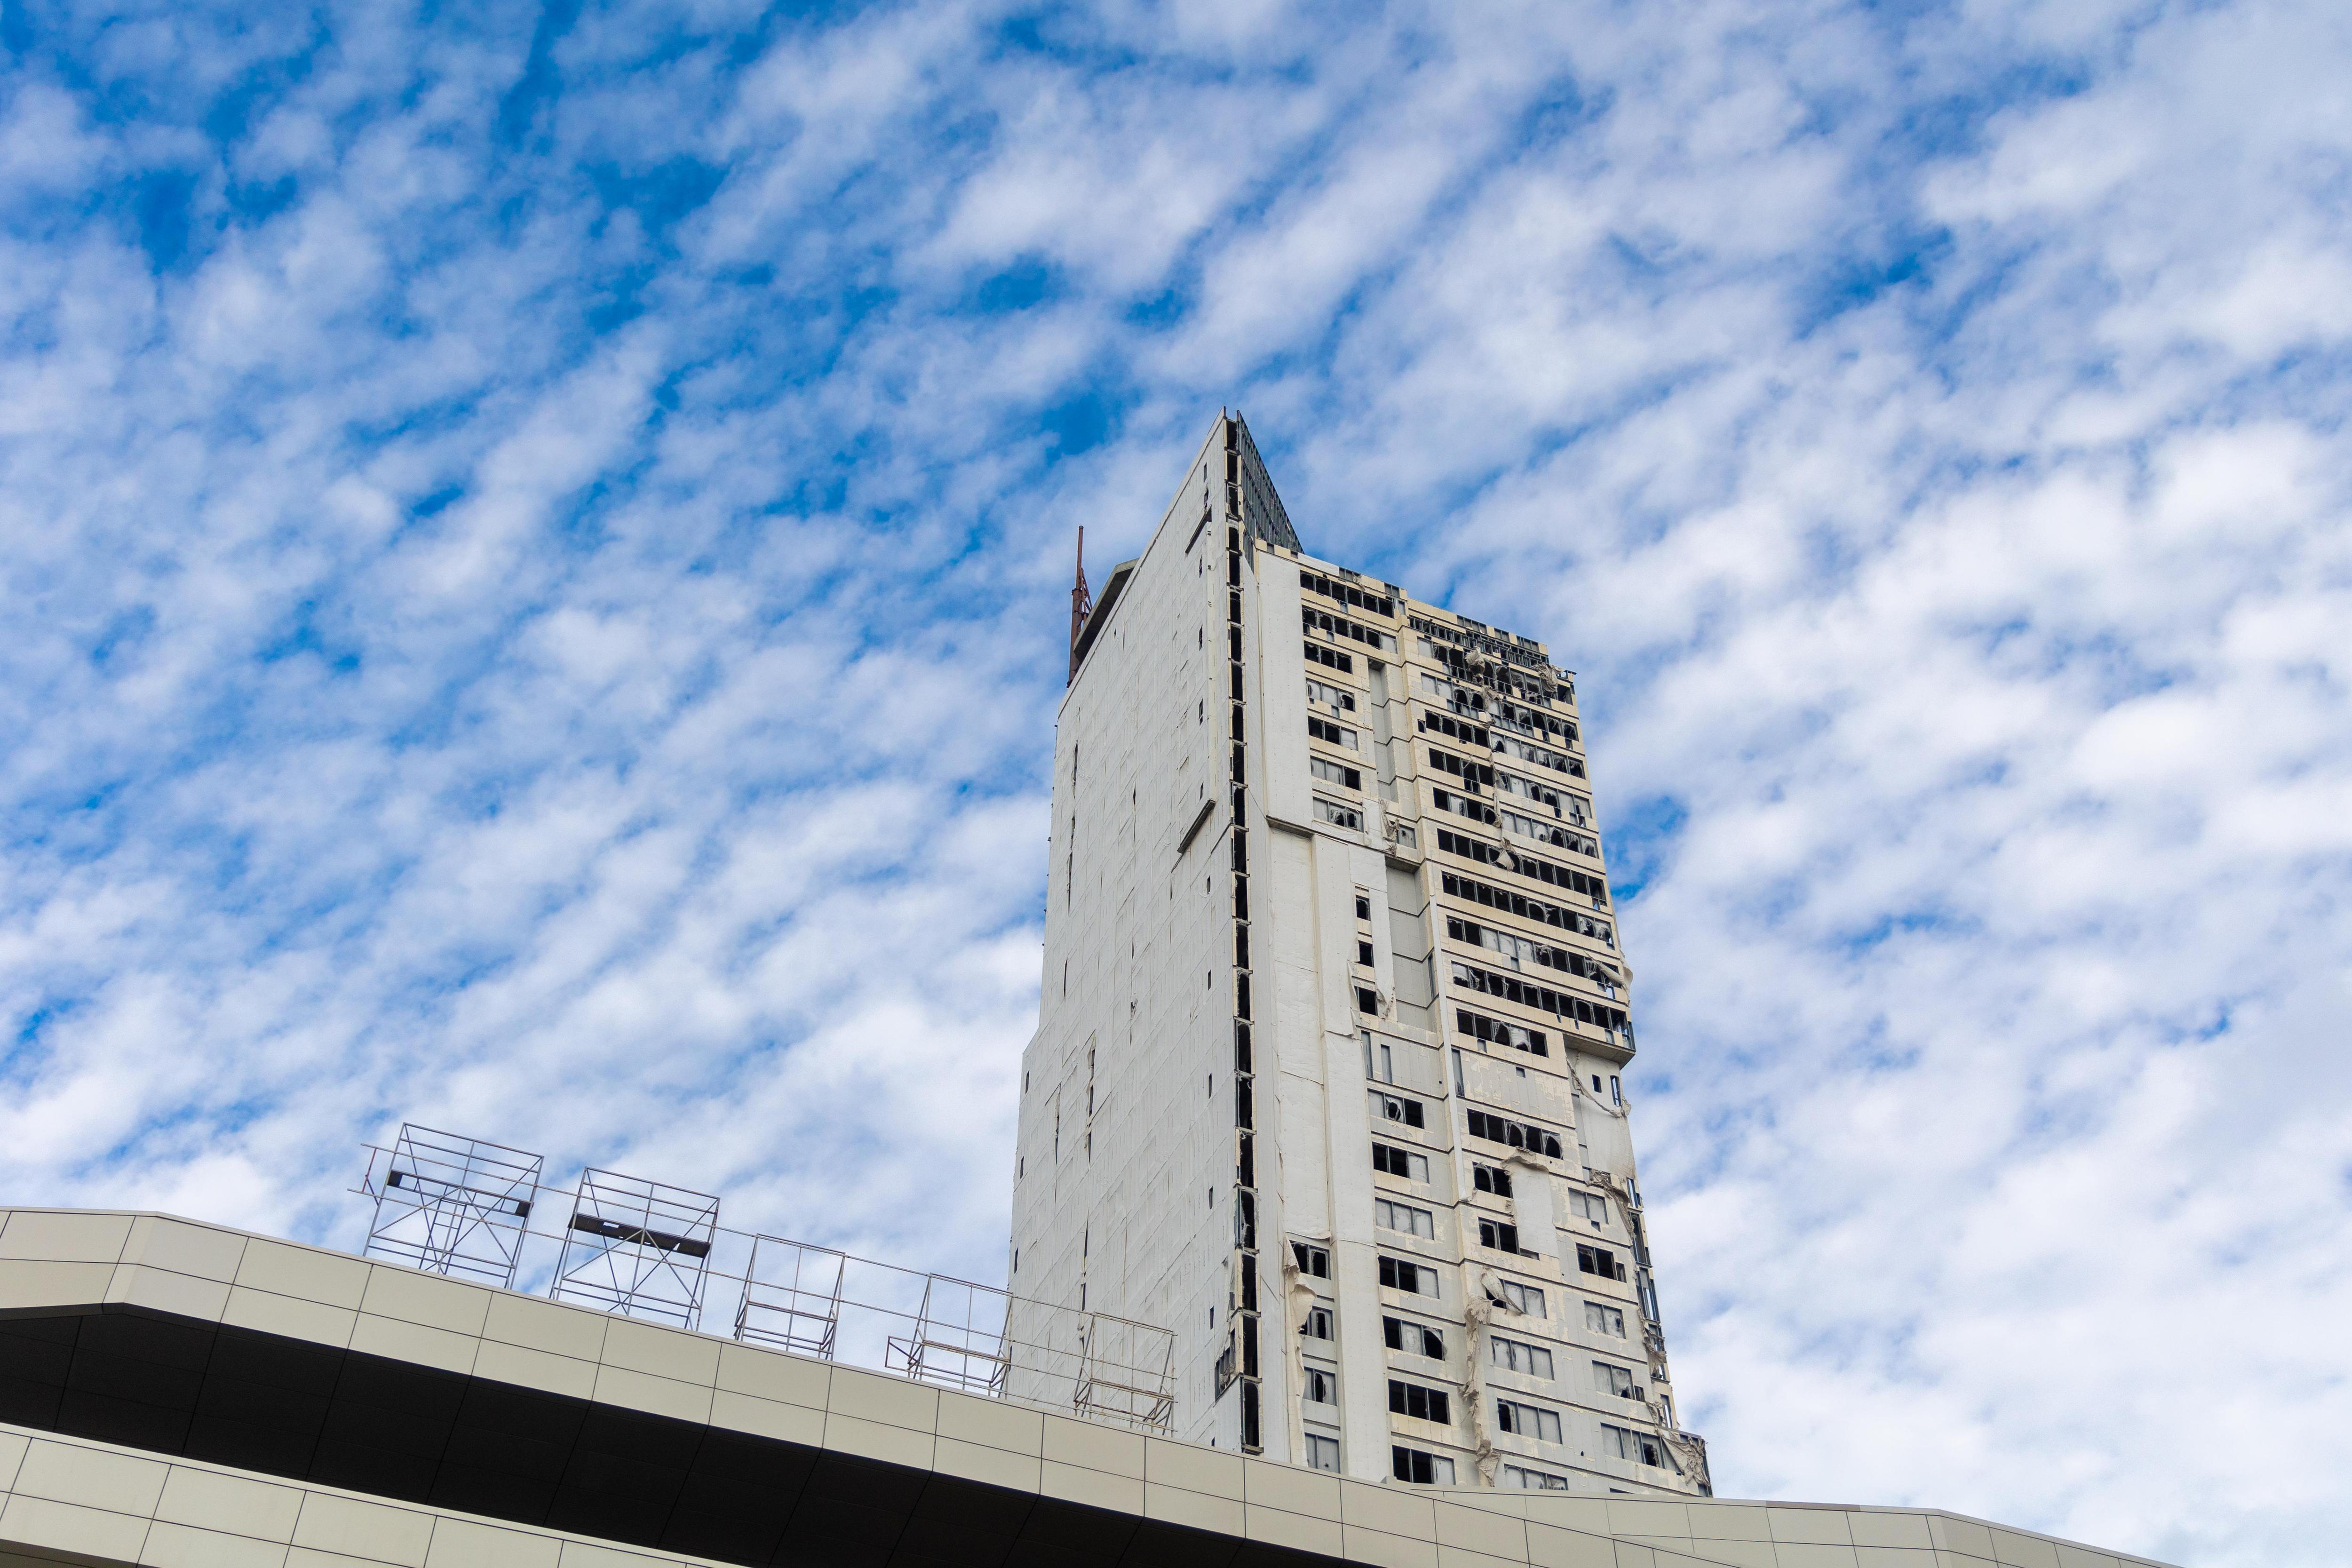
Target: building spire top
column 1081, row 605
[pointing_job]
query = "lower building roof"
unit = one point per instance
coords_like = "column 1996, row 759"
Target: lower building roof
column 177, row 1393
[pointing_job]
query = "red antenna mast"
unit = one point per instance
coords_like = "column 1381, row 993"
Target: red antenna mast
column 1081, row 605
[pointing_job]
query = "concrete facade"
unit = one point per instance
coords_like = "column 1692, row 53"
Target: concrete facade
column 839, row 1466
column 1329, row 1069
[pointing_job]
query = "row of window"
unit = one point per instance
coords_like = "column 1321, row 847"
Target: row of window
column 1493, row 641
column 1512, row 1355
column 1419, row 1403
column 1420, row 1339
column 1409, row 1166
column 1543, row 998
column 1461, row 730
column 1341, row 626
column 1330, row 659
column 1465, row 699
column 1499, row 1236
column 1536, row 723
column 1334, row 772
column 1519, row 950
column 1425, row 1469
column 1537, row 828
column 1495, row 1032
column 1334, row 697
column 1509, row 859
column 1542, row 756
column 1339, row 816
column 1333, row 734
column 1511, row 682
column 1461, row 767
column 1509, row 902
column 1542, row 831
column 1517, row 1135
column 1599, row 1260
column 1409, row 1338
column 1346, row 594
column 1543, row 795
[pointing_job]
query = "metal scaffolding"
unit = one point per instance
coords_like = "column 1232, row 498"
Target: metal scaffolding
column 637, row 1248
column 933, row 1328
column 457, row 1205
column 451, row 1204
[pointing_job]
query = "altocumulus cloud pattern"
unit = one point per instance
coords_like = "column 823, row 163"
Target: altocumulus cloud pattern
column 534, row 558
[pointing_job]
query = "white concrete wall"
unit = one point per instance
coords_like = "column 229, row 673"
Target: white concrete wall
column 1146, row 938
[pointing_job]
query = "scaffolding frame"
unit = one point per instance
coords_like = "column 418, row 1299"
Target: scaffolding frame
column 956, row 1334
column 648, row 1249
column 636, row 1248
column 451, row 1204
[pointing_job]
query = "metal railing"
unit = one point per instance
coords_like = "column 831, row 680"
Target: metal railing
column 643, row 1249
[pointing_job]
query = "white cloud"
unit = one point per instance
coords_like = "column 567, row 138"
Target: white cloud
column 543, row 620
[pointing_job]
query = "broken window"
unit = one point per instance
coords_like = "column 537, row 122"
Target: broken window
column 1599, row 1260
column 1340, row 626
column 1364, row 953
column 1499, row 1236
column 1491, row 1179
column 1469, row 734
column 1368, row 1001
column 1520, row 904
column 1413, row 1278
column 1527, row 1299
column 1602, row 1319
column 1542, row 756
column 1527, row 1420
column 1389, row 1160
column 1421, row 1404
column 1462, row 767
column 1404, row 1217
column 1333, row 734
column 1493, row 1031
column 1337, row 698
column 1312, row 1259
column 1616, row 1379
column 1461, row 806
column 1396, row 1108
column 1421, row 1469
column 1318, row 1323
column 1322, row 1388
column 1330, row 659
column 1517, row 1135
column 1339, row 816
column 1404, row 1335
column 1522, row 953
column 1316, row 583
column 1336, row 773
column 1534, row 1480
column 1515, row 1355
column 1640, row 1447
column 1561, row 1005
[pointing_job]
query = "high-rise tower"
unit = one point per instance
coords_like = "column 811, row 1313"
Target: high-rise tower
column 1374, row 1168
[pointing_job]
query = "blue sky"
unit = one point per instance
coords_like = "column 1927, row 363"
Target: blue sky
column 535, row 546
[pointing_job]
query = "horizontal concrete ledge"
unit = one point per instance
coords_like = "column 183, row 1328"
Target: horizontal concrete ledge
column 297, row 1304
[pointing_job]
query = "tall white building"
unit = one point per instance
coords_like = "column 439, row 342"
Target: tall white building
column 1374, row 1167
